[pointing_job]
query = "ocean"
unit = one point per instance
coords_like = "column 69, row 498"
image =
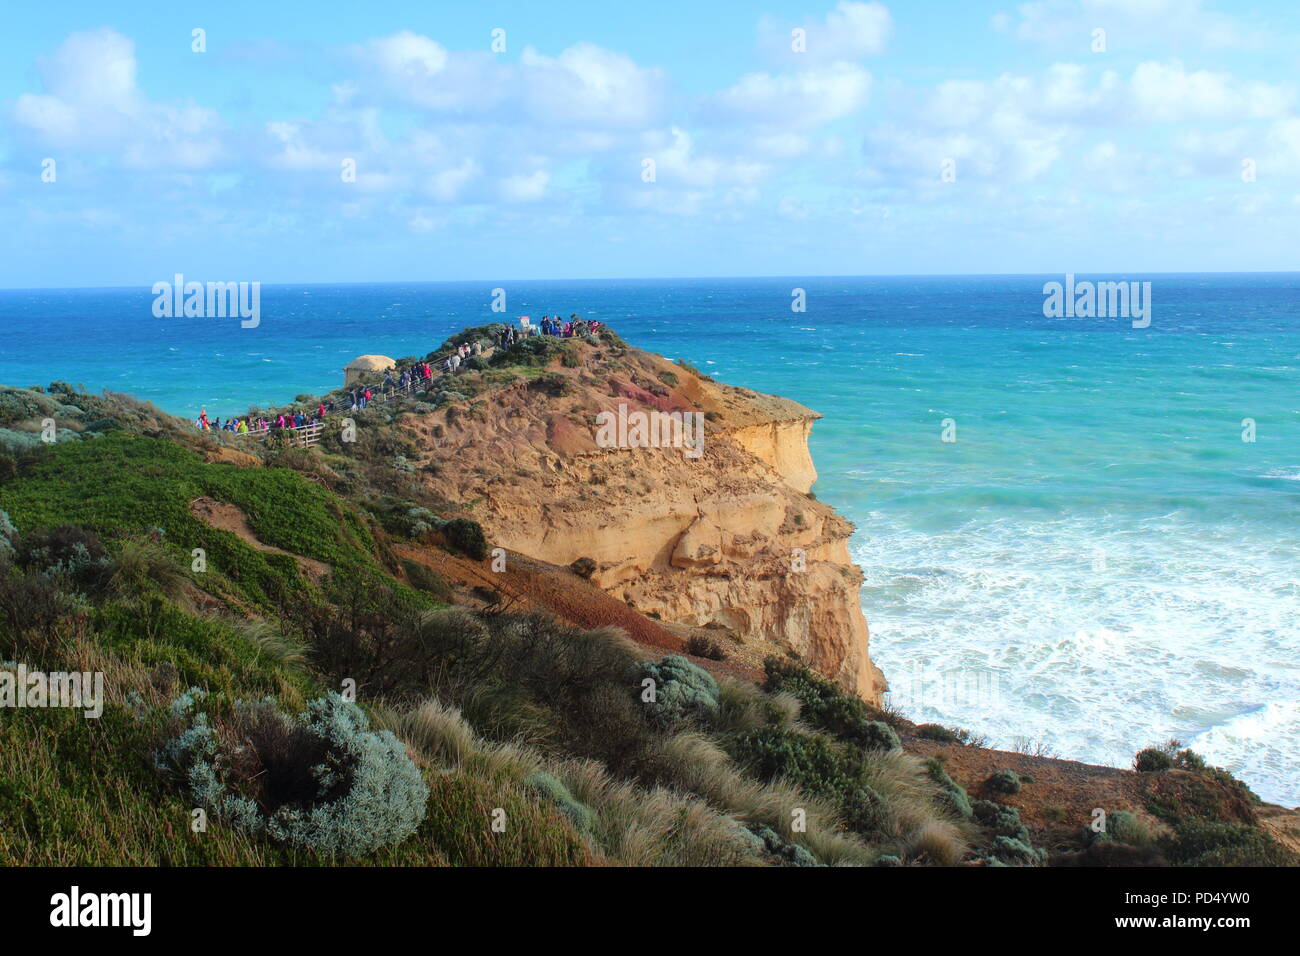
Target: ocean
column 1097, row 563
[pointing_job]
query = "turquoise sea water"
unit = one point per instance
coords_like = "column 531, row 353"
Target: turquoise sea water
column 1097, row 563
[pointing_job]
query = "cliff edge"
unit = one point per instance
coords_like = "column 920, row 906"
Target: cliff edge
column 689, row 498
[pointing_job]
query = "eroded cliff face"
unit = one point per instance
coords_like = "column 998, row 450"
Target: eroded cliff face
column 729, row 538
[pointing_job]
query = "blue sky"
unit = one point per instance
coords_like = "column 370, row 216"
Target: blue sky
column 918, row 137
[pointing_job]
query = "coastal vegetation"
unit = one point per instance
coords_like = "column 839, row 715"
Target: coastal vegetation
column 290, row 679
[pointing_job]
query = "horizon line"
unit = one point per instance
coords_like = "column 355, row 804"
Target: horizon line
column 697, row 278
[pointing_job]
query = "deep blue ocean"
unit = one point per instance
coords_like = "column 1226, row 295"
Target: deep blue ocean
column 1097, row 563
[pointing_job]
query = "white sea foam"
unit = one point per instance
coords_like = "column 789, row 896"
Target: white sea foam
column 1096, row 639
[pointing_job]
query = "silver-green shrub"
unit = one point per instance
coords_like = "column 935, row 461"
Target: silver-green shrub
column 681, row 689
column 357, row 788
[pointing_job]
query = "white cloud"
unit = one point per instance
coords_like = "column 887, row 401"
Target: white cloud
column 1166, row 92
column 525, row 187
column 589, row 86
column 1130, row 25
column 849, row 32
column 417, row 70
column 678, row 162
column 796, row 100
column 92, row 100
column 407, row 57
column 448, row 185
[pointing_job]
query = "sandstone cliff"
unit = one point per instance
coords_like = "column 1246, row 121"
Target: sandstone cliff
column 729, row 540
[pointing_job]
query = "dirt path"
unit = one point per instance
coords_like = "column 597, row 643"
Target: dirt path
column 531, row 585
column 227, row 517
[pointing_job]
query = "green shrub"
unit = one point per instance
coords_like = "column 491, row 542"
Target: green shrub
column 682, row 689
column 325, row 783
column 1125, row 827
column 1152, row 760
column 878, row 735
column 551, row 787
column 1200, row 843
column 68, row 552
column 466, row 537
column 1015, row 852
column 951, row 794
column 1000, row 819
column 811, row 761
column 424, row 578
column 937, row 732
column 1004, row 781
column 827, row 707
column 790, row 853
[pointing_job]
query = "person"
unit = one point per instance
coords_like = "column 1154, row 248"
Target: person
column 320, row 411
column 243, row 426
column 365, row 399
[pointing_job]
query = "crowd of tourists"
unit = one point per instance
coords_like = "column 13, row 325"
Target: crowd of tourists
column 408, row 379
column 249, row 424
column 550, row 325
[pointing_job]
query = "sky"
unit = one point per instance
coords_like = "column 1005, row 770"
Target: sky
column 425, row 141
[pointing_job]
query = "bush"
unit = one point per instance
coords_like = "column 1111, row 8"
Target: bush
column 951, row 793
column 552, row 383
column 682, row 689
column 28, row 603
column 466, row 537
column 827, row 707
column 1124, row 827
column 550, row 786
column 424, row 578
column 325, row 783
column 1225, row 844
column 68, row 551
column 810, row 761
column 707, row 647
column 1000, row 819
column 937, row 732
column 878, row 735
column 1152, row 760
column 1004, row 781
column 792, row 854
column 1015, row 852
column 583, row 567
